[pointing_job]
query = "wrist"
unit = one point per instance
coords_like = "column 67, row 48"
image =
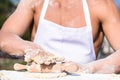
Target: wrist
column 89, row 68
column 95, row 66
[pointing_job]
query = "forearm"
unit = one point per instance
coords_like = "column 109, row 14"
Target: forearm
column 12, row 44
column 114, row 60
column 110, row 64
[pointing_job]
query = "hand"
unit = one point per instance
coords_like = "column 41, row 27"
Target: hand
column 14, row 45
column 99, row 66
column 39, row 56
column 86, row 68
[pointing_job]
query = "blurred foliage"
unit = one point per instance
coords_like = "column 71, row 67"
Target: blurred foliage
column 7, row 64
column 5, row 6
column 6, row 9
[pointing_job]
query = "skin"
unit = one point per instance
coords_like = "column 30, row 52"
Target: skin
column 105, row 20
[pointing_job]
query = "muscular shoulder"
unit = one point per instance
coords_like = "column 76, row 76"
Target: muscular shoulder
column 102, row 5
column 104, row 9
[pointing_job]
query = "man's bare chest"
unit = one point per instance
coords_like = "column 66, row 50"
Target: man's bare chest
column 68, row 20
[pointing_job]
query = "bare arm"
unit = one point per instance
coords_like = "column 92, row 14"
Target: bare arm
column 111, row 28
column 20, row 20
column 110, row 19
column 15, row 26
column 111, row 25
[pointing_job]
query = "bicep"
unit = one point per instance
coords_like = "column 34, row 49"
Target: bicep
column 111, row 26
column 19, row 21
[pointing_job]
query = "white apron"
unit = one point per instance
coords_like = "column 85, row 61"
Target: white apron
column 74, row 44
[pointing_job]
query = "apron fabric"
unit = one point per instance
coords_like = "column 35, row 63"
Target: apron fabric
column 74, row 44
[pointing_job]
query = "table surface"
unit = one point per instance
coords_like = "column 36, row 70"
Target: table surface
column 15, row 75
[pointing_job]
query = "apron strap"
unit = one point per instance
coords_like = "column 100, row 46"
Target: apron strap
column 44, row 9
column 86, row 13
